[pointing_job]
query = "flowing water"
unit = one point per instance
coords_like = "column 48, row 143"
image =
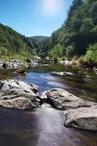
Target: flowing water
column 46, row 126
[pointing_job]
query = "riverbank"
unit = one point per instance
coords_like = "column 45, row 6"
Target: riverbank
column 13, row 63
column 80, row 62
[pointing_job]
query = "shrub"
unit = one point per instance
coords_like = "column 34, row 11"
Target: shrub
column 69, row 51
column 81, row 59
column 75, row 58
column 56, row 52
column 22, row 69
column 91, row 53
column 3, row 51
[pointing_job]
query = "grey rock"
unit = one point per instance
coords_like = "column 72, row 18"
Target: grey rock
column 14, row 64
column 82, row 118
column 63, row 100
column 33, row 64
column 66, row 62
column 20, row 103
column 62, row 73
column 58, row 73
column 15, row 89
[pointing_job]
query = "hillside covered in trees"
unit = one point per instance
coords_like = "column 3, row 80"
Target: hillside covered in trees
column 76, row 37
column 39, row 41
column 78, row 34
column 13, row 43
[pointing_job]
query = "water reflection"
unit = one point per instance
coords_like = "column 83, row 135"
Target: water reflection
column 17, row 127
column 41, row 128
column 79, row 81
column 45, row 127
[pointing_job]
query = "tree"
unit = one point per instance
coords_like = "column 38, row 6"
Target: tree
column 78, row 31
column 91, row 53
column 34, row 52
column 69, row 51
column 3, row 51
column 14, row 42
column 87, row 25
column 56, row 52
column 74, row 6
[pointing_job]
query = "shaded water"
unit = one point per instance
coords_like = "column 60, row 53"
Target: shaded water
column 46, row 126
column 43, row 128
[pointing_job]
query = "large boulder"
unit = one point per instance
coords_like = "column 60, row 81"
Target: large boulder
column 14, row 92
column 63, row 100
column 82, row 118
column 20, row 103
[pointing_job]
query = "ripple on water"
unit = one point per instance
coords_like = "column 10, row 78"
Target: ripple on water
column 45, row 127
column 41, row 128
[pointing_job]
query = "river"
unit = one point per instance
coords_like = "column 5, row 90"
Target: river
column 46, row 126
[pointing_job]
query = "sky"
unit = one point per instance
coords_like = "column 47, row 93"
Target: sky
column 34, row 17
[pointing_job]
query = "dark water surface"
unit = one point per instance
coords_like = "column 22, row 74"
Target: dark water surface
column 45, row 127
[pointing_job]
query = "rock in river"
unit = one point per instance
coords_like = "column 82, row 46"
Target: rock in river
column 82, row 118
column 63, row 100
column 17, row 103
column 18, row 94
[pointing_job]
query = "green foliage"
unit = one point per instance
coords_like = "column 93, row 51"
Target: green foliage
column 38, row 41
column 77, row 32
column 22, row 69
column 74, row 6
column 91, row 54
column 14, row 43
column 69, row 51
column 56, row 52
column 75, row 58
column 3, row 51
column 34, row 52
column 82, row 59
column 46, row 48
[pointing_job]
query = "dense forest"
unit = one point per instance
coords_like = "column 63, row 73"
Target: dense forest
column 78, row 34
column 76, row 37
column 39, row 41
column 13, row 43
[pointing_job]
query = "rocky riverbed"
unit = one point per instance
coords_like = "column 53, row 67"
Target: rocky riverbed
column 79, row 113
column 51, row 104
column 16, row 63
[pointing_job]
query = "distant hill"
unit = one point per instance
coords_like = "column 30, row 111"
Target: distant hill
column 39, row 41
column 14, row 43
column 39, row 38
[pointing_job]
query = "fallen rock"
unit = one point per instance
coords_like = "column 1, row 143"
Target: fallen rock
column 82, row 118
column 63, row 100
column 11, row 92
